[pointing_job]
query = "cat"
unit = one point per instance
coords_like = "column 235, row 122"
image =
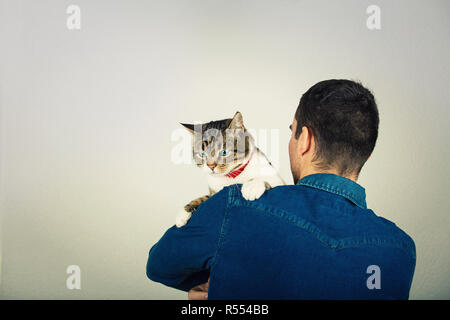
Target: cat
column 226, row 151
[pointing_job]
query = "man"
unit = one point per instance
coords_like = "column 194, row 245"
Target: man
column 313, row 240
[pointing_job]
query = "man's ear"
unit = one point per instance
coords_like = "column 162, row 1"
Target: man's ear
column 305, row 140
column 237, row 122
column 189, row 127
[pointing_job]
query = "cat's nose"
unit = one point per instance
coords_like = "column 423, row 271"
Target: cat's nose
column 211, row 166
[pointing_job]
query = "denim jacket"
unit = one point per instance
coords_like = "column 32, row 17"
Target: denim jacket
column 313, row 240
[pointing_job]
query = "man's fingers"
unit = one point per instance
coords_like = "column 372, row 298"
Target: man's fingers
column 199, row 292
column 197, row 295
column 204, row 286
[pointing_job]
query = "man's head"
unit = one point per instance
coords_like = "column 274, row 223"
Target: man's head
column 334, row 129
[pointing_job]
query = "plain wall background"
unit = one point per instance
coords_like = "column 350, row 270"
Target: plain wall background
column 87, row 118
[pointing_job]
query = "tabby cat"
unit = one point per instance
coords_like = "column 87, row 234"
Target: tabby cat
column 226, row 151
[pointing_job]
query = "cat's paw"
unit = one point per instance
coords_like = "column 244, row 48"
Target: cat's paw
column 253, row 189
column 182, row 218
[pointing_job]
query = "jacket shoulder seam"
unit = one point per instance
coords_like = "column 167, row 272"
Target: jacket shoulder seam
column 330, row 242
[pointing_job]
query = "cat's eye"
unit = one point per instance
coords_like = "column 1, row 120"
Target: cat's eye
column 224, row 153
column 202, row 154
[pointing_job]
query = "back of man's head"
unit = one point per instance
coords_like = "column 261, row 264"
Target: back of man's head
column 343, row 118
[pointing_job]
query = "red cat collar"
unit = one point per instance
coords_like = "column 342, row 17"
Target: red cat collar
column 238, row 171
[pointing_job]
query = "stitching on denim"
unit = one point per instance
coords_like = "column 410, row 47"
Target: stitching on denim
column 363, row 242
column 304, row 225
column 337, row 191
column 359, row 202
column 230, row 200
column 330, row 242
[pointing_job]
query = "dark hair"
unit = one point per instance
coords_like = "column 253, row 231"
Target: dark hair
column 343, row 118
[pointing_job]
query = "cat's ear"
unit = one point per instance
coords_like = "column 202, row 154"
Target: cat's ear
column 237, row 122
column 189, row 127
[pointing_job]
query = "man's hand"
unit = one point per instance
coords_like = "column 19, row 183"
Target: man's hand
column 199, row 292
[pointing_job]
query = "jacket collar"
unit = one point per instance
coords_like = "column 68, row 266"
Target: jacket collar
column 338, row 185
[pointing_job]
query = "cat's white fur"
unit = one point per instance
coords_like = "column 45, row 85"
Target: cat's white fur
column 253, row 178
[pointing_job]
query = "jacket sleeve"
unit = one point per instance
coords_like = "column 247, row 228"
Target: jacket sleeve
column 182, row 258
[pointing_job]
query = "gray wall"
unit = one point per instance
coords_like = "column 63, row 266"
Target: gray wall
column 87, row 117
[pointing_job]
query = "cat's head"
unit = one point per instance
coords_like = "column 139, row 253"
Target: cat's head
column 220, row 147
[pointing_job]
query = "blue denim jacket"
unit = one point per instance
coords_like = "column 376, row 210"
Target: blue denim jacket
column 313, row 240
